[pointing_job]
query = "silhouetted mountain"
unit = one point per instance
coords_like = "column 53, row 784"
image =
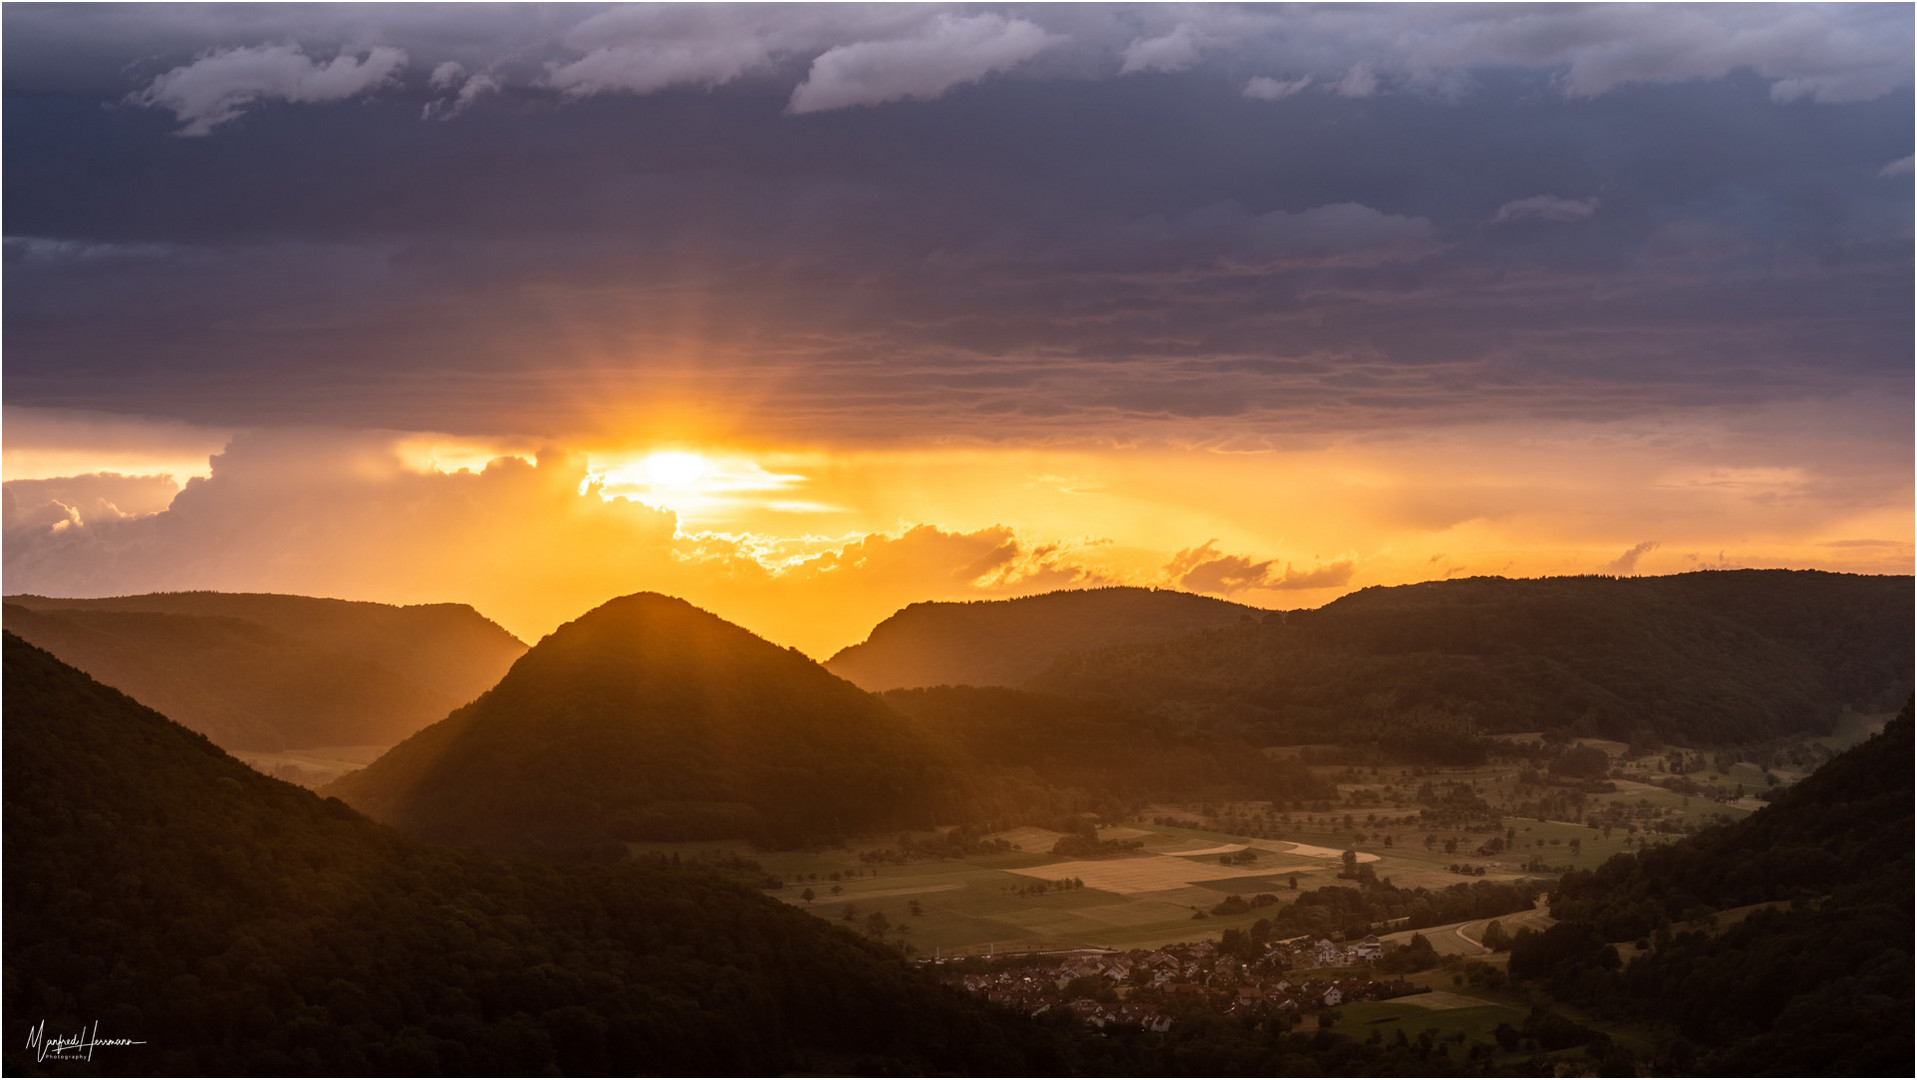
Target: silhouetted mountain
column 1818, row 985
column 447, row 648
column 648, row 718
column 1712, row 657
column 237, row 925
column 1006, row 642
column 263, row 672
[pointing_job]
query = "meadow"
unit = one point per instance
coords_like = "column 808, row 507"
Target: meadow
column 1191, row 858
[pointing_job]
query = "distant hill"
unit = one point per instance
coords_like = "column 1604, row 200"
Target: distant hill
column 1817, row 985
column 270, row 673
column 1712, row 657
column 648, row 718
column 237, row 925
column 447, row 648
column 1006, row 642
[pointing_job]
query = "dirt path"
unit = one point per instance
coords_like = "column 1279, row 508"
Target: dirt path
column 1439, row 1000
column 1467, row 938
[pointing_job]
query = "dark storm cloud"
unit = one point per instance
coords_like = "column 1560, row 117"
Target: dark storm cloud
column 896, row 221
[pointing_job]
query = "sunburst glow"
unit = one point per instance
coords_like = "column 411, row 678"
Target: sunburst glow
column 705, row 489
column 674, row 470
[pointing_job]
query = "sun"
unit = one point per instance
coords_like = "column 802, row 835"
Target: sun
column 674, row 470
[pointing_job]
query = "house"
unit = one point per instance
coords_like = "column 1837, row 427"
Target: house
column 1328, row 955
column 1369, row 949
column 1334, row 996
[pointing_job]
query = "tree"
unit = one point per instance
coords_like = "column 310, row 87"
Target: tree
column 1496, row 938
column 1350, row 858
column 1236, row 942
column 915, row 908
column 836, row 890
column 1415, row 955
column 1584, row 762
column 808, row 895
column 876, row 925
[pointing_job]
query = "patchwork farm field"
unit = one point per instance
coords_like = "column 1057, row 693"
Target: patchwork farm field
column 1191, row 857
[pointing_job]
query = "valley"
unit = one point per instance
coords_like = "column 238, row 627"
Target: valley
column 1410, row 887
column 991, row 901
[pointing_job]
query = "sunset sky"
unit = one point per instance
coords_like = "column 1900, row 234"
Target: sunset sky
column 806, row 313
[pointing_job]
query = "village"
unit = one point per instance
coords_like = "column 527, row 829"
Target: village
column 1290, row 981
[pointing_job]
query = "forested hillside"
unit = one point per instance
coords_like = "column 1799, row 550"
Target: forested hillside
column 264, row 672
column 1818, row 984
column 648, row 718
column 1114, row 753
column 1005, row 642
column 1707, row 658
column 242, row 926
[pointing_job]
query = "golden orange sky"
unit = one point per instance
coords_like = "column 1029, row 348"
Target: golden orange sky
column 812, row 546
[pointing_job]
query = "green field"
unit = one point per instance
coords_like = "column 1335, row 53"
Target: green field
column 993, row 901
column 1475, row 1023
column 983, row 902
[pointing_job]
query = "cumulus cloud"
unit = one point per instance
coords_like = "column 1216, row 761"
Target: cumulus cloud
column 1627, row 562
column 642, row 50
column 470, row 90
column 41, row 507
column 222, row 84
column 447, row 75
column 1205, row 569
column 1264, row 88
column 1827, row 55
column 949, row 51
column 1824, row 55
column 1359, row 82
column 1545, row 208
column 1176, row 51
